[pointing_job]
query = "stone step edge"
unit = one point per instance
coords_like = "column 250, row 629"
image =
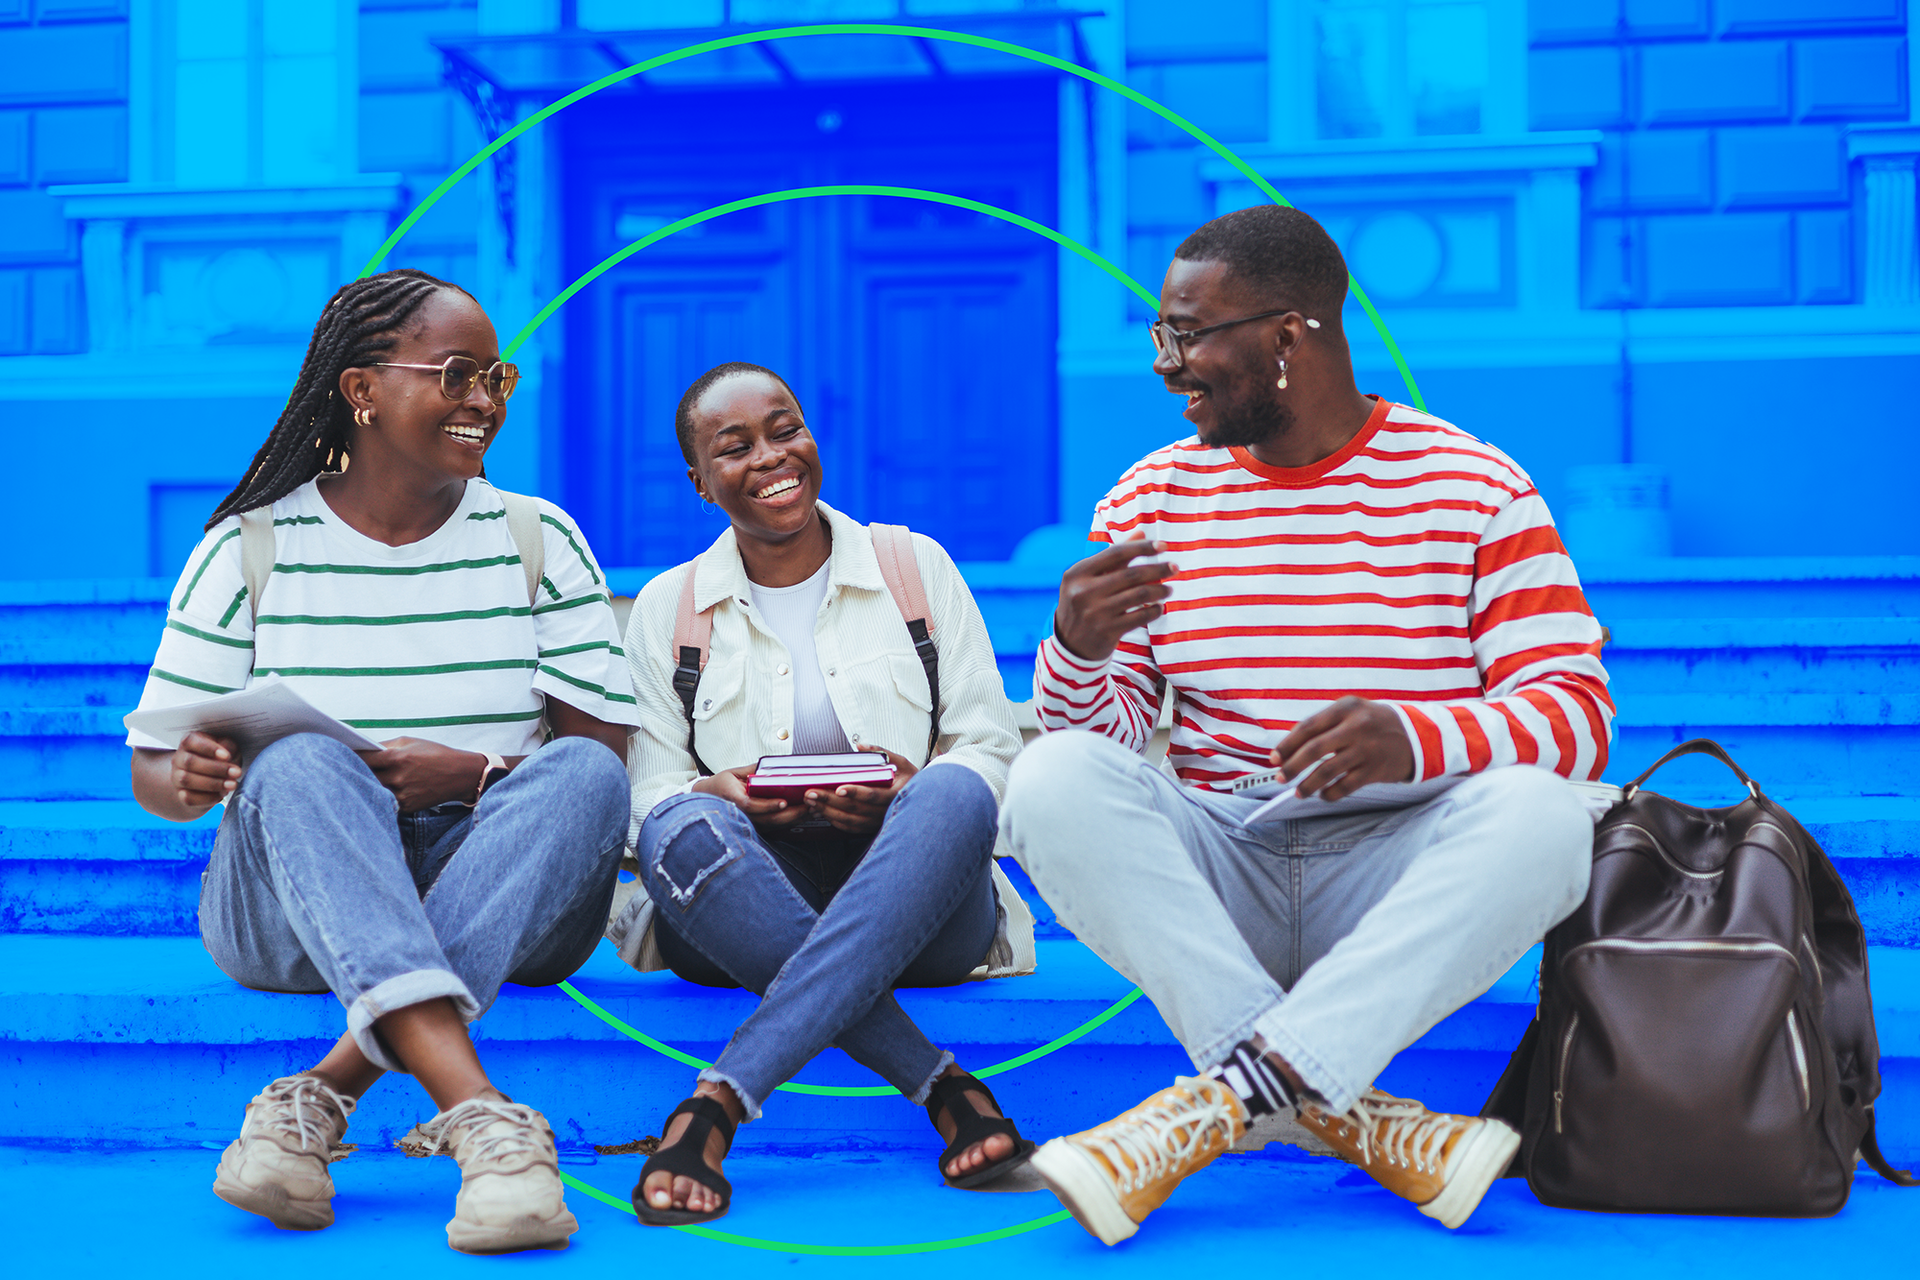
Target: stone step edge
column 184, row 999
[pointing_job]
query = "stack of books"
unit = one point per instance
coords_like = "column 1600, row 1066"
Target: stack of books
column 791, row 777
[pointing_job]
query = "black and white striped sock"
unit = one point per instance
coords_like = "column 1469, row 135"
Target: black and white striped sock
column 1256, row 1081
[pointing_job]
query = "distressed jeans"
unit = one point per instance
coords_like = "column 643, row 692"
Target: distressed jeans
column 1339, row 940
column 736, row 907
column 319, row 883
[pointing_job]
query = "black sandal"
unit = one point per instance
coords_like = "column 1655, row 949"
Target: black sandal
column 949, row 1094
column 687, row 1158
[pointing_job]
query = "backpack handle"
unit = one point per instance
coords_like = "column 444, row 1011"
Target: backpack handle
column 1693, row 747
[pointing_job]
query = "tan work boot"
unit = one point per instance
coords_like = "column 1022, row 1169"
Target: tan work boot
column 1113, row 1176
column 1442, row 1163
column 277, row 1167
column 510, row 1190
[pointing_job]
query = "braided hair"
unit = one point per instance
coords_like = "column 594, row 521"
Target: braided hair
column 359, row 324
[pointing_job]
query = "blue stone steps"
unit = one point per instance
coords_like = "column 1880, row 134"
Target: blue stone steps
column 109, row 867
column 79, row 1014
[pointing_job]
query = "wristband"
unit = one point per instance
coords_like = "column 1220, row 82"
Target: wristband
column 494, row 763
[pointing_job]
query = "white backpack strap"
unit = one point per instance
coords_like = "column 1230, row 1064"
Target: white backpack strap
column 523, row 522
column 893, row 548
column 692, row 638
column 256, row 554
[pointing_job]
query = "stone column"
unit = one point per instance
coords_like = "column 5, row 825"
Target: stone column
column 1891, row 274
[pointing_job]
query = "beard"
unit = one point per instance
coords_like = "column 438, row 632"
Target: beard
column 1239, row 424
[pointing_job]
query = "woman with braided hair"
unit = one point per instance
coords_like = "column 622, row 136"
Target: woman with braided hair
column 413, row 880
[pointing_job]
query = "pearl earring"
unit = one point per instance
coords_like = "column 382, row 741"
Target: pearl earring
column 1282, row 384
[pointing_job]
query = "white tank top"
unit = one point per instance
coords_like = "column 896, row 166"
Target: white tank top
column 791, row 612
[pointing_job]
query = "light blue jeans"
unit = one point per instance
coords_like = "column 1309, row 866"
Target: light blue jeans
column 1339, row 940
column 319, row 883
column 774, row 916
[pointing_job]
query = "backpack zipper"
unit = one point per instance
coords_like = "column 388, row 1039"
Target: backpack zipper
column 1695, row 946
column 1560, row 1077
column 1799, row 1060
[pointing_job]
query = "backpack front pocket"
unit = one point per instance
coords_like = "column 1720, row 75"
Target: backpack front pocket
column 1682, row 1079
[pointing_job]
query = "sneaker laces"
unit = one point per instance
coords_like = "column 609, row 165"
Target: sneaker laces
column 1162, row 1136
column 1401, row 1130
column 285, row 1108
column 489, row 1141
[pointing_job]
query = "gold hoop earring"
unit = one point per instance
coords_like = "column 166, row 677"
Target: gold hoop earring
column 363, row 416
column 1282, row 384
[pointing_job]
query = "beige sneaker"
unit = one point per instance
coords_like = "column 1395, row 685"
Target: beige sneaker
column 1113, row 1176
column 1442, row 1163
column 510, row 1189
column 277, row 1167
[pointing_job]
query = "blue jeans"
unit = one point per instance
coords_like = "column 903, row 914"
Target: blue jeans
column 746, row 908
column 1339, row 940
column 319, row 883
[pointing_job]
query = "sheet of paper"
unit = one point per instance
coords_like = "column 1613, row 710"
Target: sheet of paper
column 253, row 717
column 1285, row 804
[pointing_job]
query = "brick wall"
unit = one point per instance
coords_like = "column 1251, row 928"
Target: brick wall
column 1724, row 179
column 63, row 118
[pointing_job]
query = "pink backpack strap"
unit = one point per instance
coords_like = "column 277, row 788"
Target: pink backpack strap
column 692, row 638
column 893, row 548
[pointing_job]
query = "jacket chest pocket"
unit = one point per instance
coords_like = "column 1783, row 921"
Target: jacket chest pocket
column 722, row 720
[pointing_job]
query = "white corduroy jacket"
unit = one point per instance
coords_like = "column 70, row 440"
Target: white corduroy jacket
column 743, row 707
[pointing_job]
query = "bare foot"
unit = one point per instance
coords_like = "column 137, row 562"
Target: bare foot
column 994, row 1147
column 663, row 1190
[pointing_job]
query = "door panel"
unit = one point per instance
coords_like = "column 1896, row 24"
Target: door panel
column 919, row 338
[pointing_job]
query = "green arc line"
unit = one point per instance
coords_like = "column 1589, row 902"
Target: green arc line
column 806, row 193
column 886, row 29
column 833, row 1250
column 855, row 1091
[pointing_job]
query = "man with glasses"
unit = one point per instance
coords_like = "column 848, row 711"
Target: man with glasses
column 1348, row 592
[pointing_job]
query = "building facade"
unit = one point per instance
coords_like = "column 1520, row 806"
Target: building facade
column 1662, row 251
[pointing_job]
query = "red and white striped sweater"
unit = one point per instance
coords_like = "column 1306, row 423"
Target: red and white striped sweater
column 1417, row 566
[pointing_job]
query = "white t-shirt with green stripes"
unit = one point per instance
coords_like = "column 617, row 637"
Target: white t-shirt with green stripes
column 432, row 640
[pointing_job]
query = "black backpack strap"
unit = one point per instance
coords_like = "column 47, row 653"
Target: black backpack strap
column 692, row 636
column 1870, row 1152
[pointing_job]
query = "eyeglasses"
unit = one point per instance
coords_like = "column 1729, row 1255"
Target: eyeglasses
column 459, row 373
column 1167, row 340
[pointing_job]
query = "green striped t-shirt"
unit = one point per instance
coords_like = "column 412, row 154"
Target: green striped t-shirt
column 431, row 640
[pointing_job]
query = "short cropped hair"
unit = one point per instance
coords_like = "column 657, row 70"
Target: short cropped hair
column 683, row 416
column 1282, row 253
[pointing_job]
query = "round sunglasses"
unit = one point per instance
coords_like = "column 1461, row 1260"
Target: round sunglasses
column 459, row 373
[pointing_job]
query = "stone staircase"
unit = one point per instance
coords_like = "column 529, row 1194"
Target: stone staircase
column 1808, row 671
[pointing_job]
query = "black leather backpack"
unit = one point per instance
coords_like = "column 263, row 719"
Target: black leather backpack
column 1705, row 1039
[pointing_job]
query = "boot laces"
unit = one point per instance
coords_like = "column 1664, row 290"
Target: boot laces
column 1164, row 1135
column 1401, row 1131
column 296, row 1106
column 488, row 1141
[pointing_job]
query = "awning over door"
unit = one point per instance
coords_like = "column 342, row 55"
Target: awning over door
column 546, row 66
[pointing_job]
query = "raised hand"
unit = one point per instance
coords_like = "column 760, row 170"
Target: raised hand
column 1107, row 595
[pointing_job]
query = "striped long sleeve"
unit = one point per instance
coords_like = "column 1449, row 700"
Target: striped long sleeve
column 1417, row 566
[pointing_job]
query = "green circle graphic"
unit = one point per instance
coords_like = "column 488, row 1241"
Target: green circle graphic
column 918, row 33
column 614, row 259
column 864, row 1090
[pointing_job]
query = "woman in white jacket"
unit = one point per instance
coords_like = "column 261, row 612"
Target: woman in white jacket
column 821, row 905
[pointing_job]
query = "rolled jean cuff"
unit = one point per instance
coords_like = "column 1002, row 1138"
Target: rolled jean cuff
column 1271, row 1027
column 398, row 992
column 748, row 1103
column 919, row 1096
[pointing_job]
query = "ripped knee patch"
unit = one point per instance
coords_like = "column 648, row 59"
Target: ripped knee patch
column 686, row 860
